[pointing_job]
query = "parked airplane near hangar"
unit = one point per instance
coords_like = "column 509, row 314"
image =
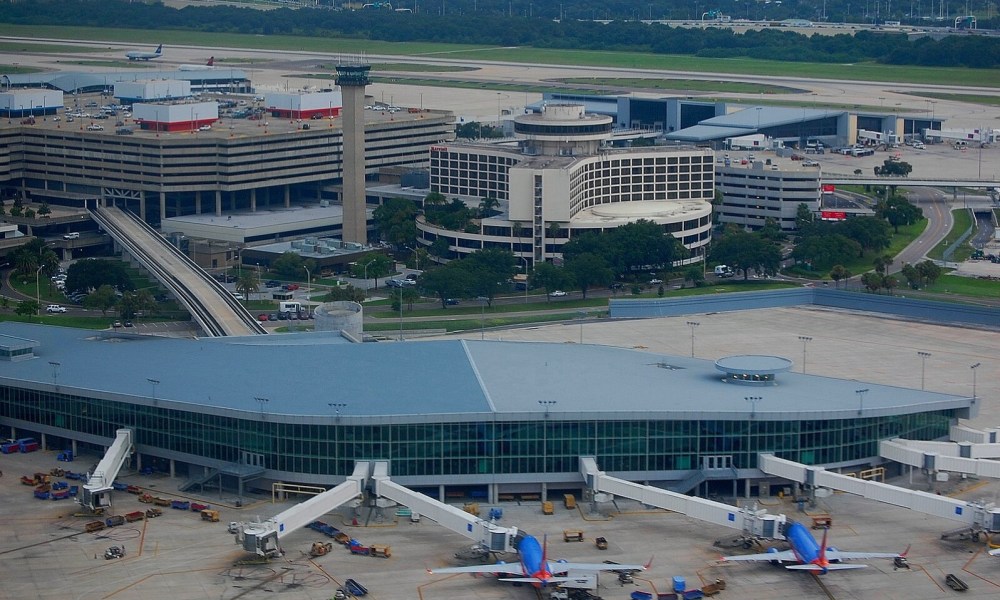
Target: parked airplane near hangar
column 810, row 556
column 536, row 569
column 139, row 55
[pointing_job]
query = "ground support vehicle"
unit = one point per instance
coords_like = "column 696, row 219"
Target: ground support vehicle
column 601, row 543
column 572, row 535
column 114, row 521
column 714, row 588
column 357, row 547
column 955, row 583
column 209, row 515
column 355, row 588
column 320, row 549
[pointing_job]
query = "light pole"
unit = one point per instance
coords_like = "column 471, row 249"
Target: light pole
column 753, row 400
column 337, row 406
column 261, row 402
column 805, row 339
column 154, row 383
column 38, row 295
column 547, row 404
column 482, row 317
column 525, row 279
column 974, row 367
column 861, row 399
column 923, row 364
column 692, row 325
column 56, row 365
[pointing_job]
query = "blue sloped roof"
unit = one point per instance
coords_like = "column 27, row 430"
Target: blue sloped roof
column 301, row 374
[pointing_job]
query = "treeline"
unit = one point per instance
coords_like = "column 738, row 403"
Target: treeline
column 501, row 30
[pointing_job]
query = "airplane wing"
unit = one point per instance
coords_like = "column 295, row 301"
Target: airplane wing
column 510, row 568
column 832, row 555
column 562, row 567
column 783, row 556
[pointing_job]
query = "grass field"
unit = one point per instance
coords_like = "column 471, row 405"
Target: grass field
column 963, row 220
column 696, row 85
column 534, row 56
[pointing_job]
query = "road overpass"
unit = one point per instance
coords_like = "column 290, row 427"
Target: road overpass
column 211, row 305
column 938, row 182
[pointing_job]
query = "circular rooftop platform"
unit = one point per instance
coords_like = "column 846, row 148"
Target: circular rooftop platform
column 752, row 369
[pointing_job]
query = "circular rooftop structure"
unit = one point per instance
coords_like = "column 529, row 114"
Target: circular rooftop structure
column 752, row 369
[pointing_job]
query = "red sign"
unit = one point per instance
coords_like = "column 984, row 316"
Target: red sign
column 828, row 188
column 833, row 215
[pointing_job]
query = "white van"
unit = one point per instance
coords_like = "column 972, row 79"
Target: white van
column 294, row 307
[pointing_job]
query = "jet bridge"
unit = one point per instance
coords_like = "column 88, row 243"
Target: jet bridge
column 262, row 537
column 977, row 516
column 755, row 524
column 490, row 536
column 97, row 491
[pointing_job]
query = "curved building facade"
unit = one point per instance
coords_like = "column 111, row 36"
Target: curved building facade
column 445, row 413
column 561, row 179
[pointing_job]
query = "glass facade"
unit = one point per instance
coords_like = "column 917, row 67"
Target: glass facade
column 472, row 448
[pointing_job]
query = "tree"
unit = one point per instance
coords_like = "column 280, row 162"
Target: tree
column 839, row 272
column 823, row 251
column 488, row 207
column 871, row 281
column 929, row 271
column 871, row 233
column 550, row 277
column 695, row 275
column 396, row 221
column 103, row 299
column 248, row 282
column 882, row 264
column 744, row 251
column 288, row 265
column 490, row 271
column 134, row 303
column 898, row 211
column 27, row 308
column 87, row 275
column 448, row 281
column 589, row 270
column 371, row 266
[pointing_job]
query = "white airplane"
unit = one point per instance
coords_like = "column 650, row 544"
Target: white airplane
column 137, row 55
column 810, row 556
column 205, row 67
column 536, row 569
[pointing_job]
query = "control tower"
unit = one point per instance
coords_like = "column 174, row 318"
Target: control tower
column 352, row 77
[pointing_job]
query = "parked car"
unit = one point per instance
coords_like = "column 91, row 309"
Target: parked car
column 558, row 294
column 55, row 308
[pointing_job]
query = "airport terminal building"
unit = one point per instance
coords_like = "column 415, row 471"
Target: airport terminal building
column 483, row 418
